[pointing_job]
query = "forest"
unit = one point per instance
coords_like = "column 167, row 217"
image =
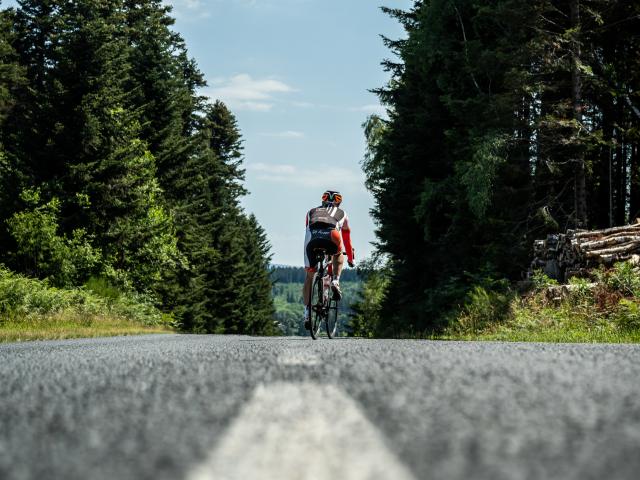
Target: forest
column 115, row 172
column 507, row 120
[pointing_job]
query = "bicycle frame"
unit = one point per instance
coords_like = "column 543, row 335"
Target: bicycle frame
column 325, row 303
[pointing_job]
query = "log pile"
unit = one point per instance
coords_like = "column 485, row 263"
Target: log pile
column 574, row 253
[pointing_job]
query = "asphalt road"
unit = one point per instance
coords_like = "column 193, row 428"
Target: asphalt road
column 196, row 407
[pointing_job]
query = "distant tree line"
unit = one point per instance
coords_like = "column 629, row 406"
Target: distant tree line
column 287, row 274
column 112, row 166
column 508, row 119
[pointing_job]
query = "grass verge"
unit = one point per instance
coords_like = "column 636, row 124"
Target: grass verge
column 602, row 309
column 61, row 327
column 31, row 309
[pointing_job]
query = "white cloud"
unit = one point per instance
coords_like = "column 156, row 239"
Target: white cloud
column 285, row 134
column 188, row 9
column 193, row 10
column 242, row 92
column 302, row 104
column 291, row 175
column 371, row 108
column 281, row 168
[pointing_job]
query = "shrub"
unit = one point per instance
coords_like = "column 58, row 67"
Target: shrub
column 21, row 296
column 627, row 316
column 482, row 308
column 45, row 254
column 623, row 278
column 541, row 280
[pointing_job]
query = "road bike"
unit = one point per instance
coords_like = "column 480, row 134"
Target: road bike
column 324, row 307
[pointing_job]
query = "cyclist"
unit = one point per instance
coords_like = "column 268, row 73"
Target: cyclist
column 327, row 227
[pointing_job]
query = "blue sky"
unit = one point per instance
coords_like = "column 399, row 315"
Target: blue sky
column 296, row 73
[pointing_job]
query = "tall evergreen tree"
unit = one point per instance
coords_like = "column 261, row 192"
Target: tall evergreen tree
column 12, row 78
column 447, row 156
column 228, row 289
column 508, row 119
column 163, row 83
column 116, row 153
column 87, row 149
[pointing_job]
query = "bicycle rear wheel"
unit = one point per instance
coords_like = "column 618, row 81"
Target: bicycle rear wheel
column 332, row 318
column 317, row 307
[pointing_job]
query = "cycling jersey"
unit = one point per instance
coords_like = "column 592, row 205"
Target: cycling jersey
column 326, row 228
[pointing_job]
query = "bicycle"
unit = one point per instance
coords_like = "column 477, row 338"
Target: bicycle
column 324, row 308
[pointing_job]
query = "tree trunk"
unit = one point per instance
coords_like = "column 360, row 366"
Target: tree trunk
column 576, row 90
column 620, row 191
column 634, row 200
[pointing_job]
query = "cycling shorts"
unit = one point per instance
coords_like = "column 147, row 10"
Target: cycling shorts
column 328, row 240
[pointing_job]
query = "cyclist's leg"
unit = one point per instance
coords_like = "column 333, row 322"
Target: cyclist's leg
column 306, row 289
column 338, row 264
column 310, row 263
column 338, row 258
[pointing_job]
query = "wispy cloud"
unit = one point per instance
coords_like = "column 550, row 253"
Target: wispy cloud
column 303, row 104
column 285, row 134
column 272, row 169
column 242, row 92
column 189, row 9
column 371, row 108
column 292, row 175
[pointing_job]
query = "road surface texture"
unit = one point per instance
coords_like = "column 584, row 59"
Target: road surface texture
column 213, row 407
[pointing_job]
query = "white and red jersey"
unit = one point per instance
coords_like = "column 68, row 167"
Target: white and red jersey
column 339, row 221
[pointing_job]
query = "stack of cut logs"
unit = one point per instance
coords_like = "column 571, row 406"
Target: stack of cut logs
column 562, row 256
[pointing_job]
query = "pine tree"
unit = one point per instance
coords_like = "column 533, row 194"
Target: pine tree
column 163, row 83
column 12, row 79
column 128, row 161
column 508, row 120
column 449, row 156
column 259, row 316
column 87, row 149
column 227, row 289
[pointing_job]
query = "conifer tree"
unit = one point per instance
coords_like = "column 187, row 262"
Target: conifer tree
column 163, row 83
column 129, row 164
column 87, row 149
column 12, row 79
column 508, row 120
column 447, row 155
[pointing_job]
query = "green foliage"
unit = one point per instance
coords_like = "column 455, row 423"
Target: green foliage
column 622, row 278
column 541, row 280
column 22, row 297
column 628, row 315
column 490, row 144
column 11, row 72
column 366, row 318
column 289, row 308
column 482, row 307
column 66, row 261
column 479, row 175
column 606, row 310
column 127, row 173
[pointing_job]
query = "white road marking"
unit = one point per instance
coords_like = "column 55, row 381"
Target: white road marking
column 293, row 358
column 301, row 431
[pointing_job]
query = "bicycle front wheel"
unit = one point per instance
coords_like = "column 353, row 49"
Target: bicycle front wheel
column 332, row 318
column 317, row 307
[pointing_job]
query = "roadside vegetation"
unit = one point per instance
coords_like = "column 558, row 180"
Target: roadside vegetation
column 507, row 120
column 604, row 308
column 114, row 167
column 33, row 309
